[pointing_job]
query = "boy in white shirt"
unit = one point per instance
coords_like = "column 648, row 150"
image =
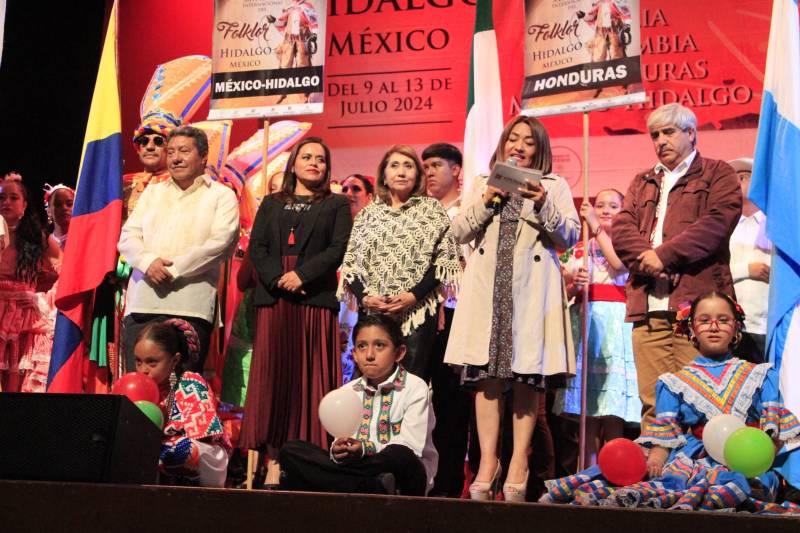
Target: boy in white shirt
column 393, row 444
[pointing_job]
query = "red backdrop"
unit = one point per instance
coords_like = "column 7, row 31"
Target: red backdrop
column 707, row 55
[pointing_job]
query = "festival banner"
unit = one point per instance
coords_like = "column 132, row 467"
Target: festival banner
column 268, row 58
column 581, row 55
column 708, row 56
column 397, row 71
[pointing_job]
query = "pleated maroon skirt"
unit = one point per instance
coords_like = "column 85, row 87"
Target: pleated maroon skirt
column 295, row 363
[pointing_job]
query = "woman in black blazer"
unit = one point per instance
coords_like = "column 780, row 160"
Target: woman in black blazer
column 297, row 243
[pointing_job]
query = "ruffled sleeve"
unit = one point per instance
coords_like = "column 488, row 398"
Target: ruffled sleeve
column 665, row 429
column 774, row 419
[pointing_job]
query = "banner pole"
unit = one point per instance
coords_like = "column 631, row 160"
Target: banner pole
column 264, row 153
column 252, row 455
column 585, row 302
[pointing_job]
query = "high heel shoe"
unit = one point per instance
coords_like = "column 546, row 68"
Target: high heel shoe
column 485, row 490
column 515, row 492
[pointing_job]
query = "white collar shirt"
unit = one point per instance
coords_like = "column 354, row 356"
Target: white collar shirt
column 194, row 228
column 411, row 418
column 749, row 244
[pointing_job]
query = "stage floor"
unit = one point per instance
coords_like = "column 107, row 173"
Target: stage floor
column 76, row 507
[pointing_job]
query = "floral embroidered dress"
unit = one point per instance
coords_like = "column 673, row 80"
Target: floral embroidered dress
column 612, row 389
column 195, row 447
column 691, row 479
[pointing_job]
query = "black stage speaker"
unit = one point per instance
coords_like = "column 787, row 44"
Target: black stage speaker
column 95, row 438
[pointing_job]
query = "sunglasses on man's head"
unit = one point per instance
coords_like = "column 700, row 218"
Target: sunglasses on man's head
column 354, row 188
column 144, row 140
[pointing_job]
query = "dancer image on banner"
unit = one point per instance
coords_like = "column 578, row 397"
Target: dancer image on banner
column 611, row 20
column 298, row 22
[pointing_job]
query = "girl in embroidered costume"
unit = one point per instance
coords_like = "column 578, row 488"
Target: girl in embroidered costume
column 195, row 447
column 393, row 446
column 681, row 474
column 28, row 265
column 612, row 392
column 400, row 251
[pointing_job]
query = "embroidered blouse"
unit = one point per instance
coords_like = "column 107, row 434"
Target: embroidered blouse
column 398, row 411
column 194, row 412
column 708, row 387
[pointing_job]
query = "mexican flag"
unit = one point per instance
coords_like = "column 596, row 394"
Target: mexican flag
column 485, row 97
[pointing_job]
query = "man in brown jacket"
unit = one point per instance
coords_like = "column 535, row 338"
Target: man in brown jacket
column 672, row 234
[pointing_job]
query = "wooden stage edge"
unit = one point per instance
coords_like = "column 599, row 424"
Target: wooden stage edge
column 77, row 507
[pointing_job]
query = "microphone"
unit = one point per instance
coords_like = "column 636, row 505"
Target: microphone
column 497, row 200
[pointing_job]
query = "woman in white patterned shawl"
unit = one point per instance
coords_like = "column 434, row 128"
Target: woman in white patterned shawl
column 402, row 256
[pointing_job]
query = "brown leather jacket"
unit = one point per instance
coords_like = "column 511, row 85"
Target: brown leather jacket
column 704, row 207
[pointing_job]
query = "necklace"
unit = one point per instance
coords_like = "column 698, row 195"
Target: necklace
column 298, row 210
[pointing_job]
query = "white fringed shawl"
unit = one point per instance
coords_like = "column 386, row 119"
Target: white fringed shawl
column 391, row 249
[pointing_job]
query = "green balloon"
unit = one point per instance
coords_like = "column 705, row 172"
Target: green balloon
column 749, row 451
column 151, row 411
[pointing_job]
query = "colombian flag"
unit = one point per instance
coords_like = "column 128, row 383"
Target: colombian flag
column 91, row 250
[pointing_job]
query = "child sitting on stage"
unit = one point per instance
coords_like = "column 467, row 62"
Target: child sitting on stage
column 393, row 444
column 195, row 447
column 681, row 474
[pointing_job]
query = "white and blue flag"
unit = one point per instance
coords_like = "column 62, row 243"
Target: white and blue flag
column 775, row 188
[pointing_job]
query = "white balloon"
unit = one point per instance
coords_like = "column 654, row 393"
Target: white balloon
column 716, row 433
column 340, row 412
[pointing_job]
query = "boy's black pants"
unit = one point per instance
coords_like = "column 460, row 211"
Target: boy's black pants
column 306, row 466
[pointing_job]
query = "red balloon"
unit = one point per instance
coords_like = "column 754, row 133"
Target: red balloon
column 622, row 462
column 137, row 387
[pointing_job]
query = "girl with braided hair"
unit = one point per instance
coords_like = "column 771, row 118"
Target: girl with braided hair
column 29, row 264
column 195, row 447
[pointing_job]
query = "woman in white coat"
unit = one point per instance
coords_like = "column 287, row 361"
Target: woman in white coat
column 511, row 327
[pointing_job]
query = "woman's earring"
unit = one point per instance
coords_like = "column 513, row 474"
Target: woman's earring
column 173, row 379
